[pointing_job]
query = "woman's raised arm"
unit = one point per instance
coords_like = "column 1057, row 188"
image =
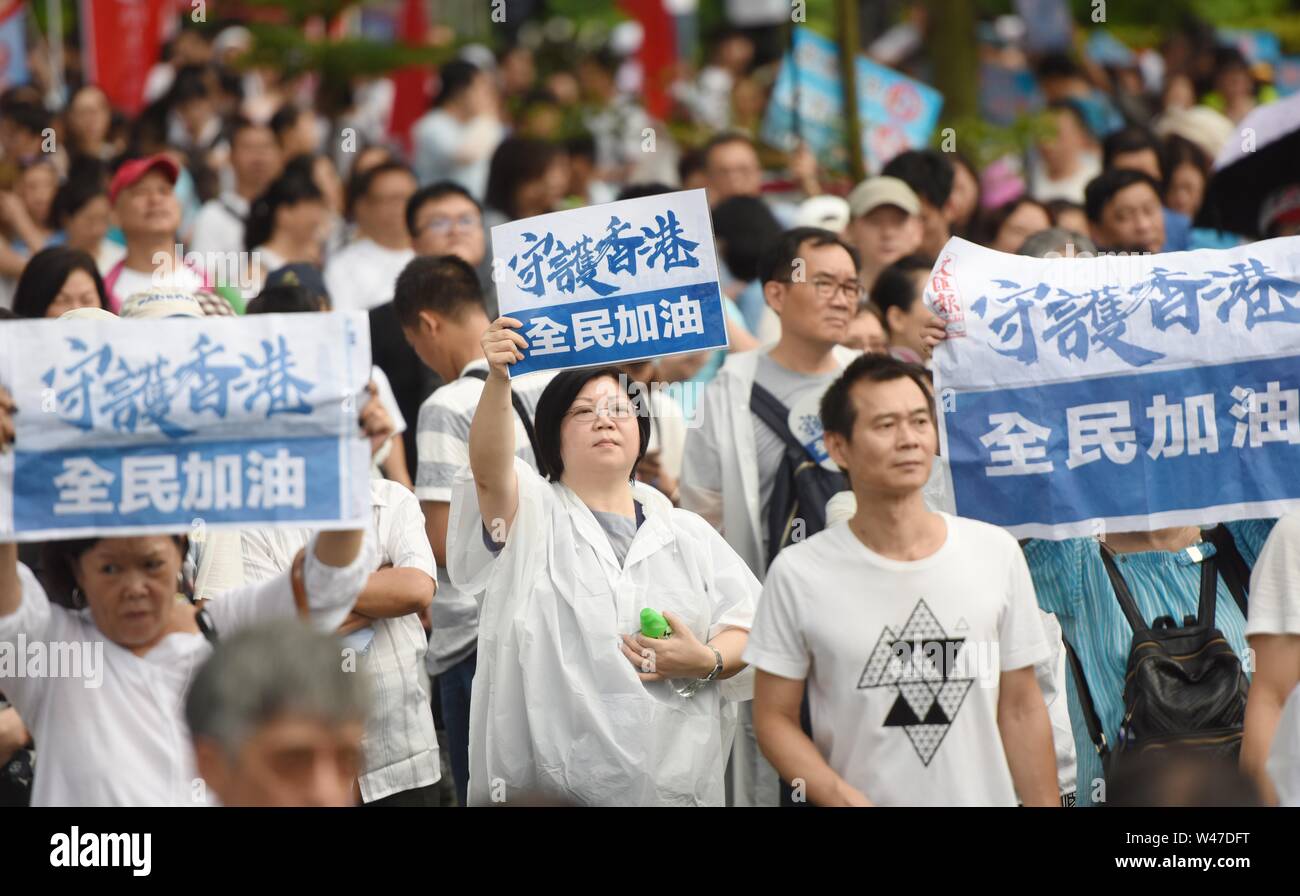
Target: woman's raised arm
column 492, row 433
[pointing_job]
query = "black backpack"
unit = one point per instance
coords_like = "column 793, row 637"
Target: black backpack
column 1184, row 686
column 802, row 485
column 520, row 408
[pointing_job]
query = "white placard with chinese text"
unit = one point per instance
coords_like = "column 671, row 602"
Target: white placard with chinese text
column 140, row 426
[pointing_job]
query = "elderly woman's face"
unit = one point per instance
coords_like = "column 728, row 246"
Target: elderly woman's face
column 130, row 585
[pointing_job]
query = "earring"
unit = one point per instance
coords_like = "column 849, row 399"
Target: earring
column 78, row 600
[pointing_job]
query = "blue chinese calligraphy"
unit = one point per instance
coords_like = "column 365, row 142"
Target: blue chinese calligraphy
column 1107, row 318
column 105, row 387
column 550, row 262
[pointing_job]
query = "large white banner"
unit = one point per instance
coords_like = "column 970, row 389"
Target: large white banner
column 1124, row 392
column 139, row 426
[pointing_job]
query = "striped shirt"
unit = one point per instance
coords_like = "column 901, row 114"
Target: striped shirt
column 442, row 446
column 1070, row 580
column 400, row 747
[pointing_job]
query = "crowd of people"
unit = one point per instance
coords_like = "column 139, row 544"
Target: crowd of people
column 521, row 526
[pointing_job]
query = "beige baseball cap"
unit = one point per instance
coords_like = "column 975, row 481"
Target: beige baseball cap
column 87, row 314
column 161, row 303
column 877, row 191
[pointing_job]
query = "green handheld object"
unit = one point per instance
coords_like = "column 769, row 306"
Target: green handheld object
column 653, row 624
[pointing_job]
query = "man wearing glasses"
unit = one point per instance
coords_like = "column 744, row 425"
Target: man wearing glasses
column 736, row 460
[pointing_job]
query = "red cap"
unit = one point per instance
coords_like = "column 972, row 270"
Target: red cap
column 131, row 172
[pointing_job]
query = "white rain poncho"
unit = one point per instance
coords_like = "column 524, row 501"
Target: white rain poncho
column 557, row 711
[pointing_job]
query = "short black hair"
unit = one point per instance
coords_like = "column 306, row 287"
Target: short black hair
column 295, row 184
column 190, row 83
column 1127, row 140
column 516, row 161
column 1102, row 189
column 723, row 139
column 454, row 78
column 44, row 275
column 285, row 299
column 581, row 144
column 554, row 403
column 745, row 227
column 59, row 560
column 285, row 118
column 31, row 117
column 1057, row 65
column 837, row 410
column 445, row 284
column 928, row 172
column 640, row 191
column 241, row 123
column 361, row 183
column 895, row 287
column 690, row 163
column 432, row 193
column 993, row 220
column 74, row 194
column 1179, row 151
column 1072, row 108
column 777, row 261
column 1058, row 207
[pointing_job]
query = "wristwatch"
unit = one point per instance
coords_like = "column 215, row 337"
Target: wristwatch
column 693, row 688
column 717, row 670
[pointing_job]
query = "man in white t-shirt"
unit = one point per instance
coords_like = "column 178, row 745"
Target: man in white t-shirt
column 361, row 275
column 914, row 632
column 219, row 225
column 1273, row 633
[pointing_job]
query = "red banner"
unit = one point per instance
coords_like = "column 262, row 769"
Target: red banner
column 120, row 42
column 411, row 84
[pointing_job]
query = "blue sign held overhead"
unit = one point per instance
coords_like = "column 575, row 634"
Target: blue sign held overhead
column 611, row 283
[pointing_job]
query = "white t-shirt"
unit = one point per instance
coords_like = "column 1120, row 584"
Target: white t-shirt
column 1275, row 582
column 130, row 281
column 903, row 659
column 362, row 275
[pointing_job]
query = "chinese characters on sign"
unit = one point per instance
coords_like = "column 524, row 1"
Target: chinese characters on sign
column 147, row 426
column 224, row 482
column 94, row 389
column 613, row 283
column 1141, row 392
column 1098, row 319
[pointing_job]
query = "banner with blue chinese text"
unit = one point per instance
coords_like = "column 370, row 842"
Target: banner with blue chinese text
column 611, row 283
column 143, row 426
column 1120, row 393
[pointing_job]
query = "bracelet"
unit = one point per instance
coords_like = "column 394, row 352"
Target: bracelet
column 694, row 687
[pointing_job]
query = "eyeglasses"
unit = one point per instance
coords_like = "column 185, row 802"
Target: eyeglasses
column 826, row 287
column 442, row 225
column 587, row 413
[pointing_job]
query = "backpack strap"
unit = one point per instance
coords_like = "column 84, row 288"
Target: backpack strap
column 520, row 409
column 1122, row 594
column 1232, row 566
column 1090, row 717
column 775, row 416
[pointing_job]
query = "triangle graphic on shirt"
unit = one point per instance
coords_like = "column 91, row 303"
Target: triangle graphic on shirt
column 962, row 625
column 901, row 715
